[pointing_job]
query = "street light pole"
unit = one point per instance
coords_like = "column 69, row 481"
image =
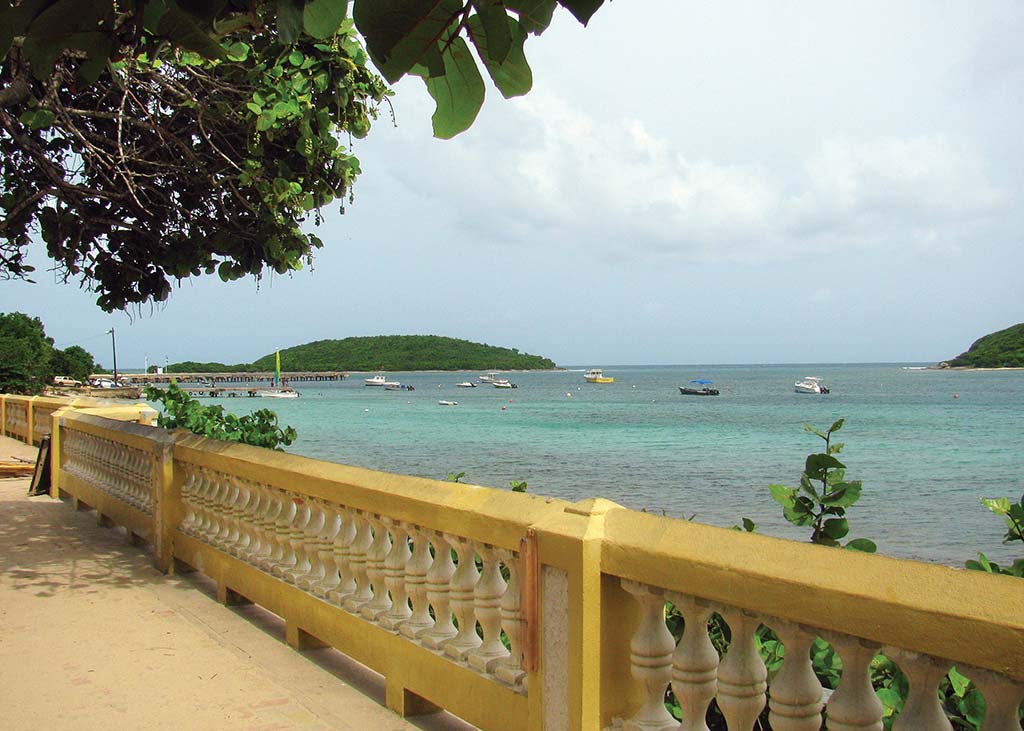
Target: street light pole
column 113, row 346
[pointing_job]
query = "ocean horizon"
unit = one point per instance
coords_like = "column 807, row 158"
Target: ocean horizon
column 927, row 444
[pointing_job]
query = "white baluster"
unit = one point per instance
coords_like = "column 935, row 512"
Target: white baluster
column 650, row 656
column 342, row 551
column 694, row 663
column 509, row 669
column 394, row 577
column 330, row 579
column 439, row 580
column 357, row 558
column 487, row 598
column 742, row 676
column 416, row 569
column 283, row 555
column 922, row 709
column 796, row 695
column 311, row 545
column 249, row 525
column 270, row 551
column 1003, row 698
column 375, row 558
column 188, row 487
column 297, row 538
column 461, row 597
column 854, row 706
column 229, row 528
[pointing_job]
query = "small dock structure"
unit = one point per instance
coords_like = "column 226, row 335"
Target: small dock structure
column 254, row 377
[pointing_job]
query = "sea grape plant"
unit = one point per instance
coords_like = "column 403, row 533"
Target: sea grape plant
column 259, row 429
column 823, row 496
column 1013, row 513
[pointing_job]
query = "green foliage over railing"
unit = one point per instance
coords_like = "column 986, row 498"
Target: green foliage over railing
column 259, row 429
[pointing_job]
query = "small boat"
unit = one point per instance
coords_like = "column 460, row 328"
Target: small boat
column 489, row 377
column 503, row 383
column 596, row 375
column 277, row 393
column 378, row 380
column 703, row 388
column 443, row 402
column 394, row 386
column 466, row 384
column 810, row 384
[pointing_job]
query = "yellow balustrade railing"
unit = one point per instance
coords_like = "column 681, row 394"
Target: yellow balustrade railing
column 520, row 612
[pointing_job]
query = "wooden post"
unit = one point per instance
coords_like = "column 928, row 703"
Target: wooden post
column 529, row 572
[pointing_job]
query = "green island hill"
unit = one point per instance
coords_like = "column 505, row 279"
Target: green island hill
column 383, row 353
column 1002, row 349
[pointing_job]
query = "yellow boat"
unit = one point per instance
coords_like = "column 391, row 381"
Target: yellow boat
column 595, row 375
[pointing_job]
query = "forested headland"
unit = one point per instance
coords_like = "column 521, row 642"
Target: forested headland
column 384, row 353
column 1002, row 349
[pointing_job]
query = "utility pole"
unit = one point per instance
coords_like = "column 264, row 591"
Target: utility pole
column 113, row 346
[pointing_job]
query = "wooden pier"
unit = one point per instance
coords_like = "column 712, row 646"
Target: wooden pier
column 255, row 377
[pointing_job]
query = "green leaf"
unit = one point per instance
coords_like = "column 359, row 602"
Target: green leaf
column 843, row 495
column 749, row 526
column 238, row 51
column 534, row 15
column 492, row 30
column 582, row 9
column 806, row 486
column 254, row 108
column 998, row 505
column 817, row 465
column 836, row 528
column 958, row 681
column 289, row 20
column 185, row 31
column 836, row 426
column 38, row 119
column 295, row 58
column 459, row 94
column 513, row 76
column 322, row 18
column 812, row 430
column 863, row 545
column 783, row 495
column 399, row 34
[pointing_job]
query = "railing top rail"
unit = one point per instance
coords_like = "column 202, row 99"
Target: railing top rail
column 129, row 433
column 960, row 615
column 488, row 515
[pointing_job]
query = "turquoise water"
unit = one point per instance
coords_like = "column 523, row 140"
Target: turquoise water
column 924, row 456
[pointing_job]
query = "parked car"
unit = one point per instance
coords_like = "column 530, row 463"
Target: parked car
column 66, row 381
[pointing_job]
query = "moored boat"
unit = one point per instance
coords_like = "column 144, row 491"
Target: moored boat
column 378, row 380
column 489, row 377
column 466, row 384
column 703, row 388
column 810, row 384
column 596, row 375
column 277, row 393
column 503, row 383
column 445, row 402
column 396, row 386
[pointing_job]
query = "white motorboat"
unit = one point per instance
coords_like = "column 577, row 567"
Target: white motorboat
column 503, row 383
column 444, row 402
column 396, row 386
column 596, row 375
column 489, row 377
column 466, row 384
column 810, row 384
column 378, row 380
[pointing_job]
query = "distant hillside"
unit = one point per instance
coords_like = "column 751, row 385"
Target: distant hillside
column 1003, row 349
column 384, row 352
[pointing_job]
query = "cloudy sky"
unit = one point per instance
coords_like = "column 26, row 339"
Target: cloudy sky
column 716, row 182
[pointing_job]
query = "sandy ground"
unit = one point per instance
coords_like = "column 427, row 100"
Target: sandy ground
column 93, row 637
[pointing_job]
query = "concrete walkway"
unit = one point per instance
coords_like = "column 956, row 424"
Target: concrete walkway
column 93, row 637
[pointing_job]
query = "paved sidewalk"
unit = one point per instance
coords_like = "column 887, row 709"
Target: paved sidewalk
column 93, row 637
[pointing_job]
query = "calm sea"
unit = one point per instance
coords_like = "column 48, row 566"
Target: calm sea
column 926, row 444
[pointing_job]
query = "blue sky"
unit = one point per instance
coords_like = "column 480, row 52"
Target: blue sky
column 687, row 183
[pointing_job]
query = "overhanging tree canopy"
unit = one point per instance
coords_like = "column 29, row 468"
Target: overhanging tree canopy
column 151, row 140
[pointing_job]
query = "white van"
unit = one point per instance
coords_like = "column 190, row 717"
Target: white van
column 65, row 381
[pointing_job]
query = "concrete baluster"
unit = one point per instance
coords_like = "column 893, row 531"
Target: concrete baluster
column 268, row 540
column 249, row 540
column 325, row 549
column 742, row 676
column 461, row 597
column 357, row 558
column 650, row 656
column 509, row 668
column 283, row 556
column 416, row 569
column 375, row 559
column 232, row 514
column 314, row 546
column 297, row 540
column 202, row 502
column 214, row 511
column 922, row 709
column 854, row 705
column 342, row 551
column 305, row 571
column 439, row 581
column 796, row 695
column 394, row 576
column 1003, row 698
column 694, row 662
column 188, row 487
column 487, row 597
column 240, row 524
